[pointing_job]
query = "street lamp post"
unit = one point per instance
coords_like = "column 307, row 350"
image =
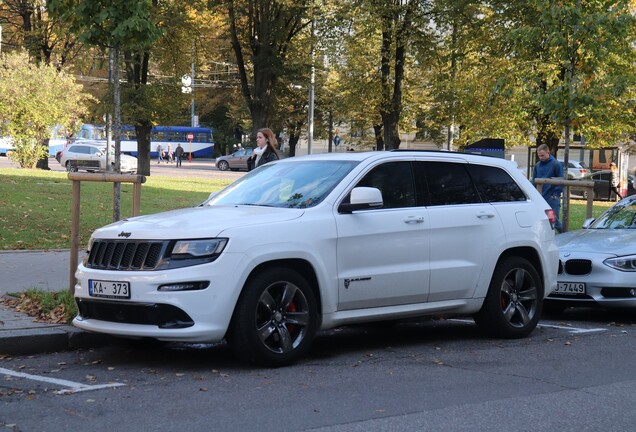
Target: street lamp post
column 312, row 79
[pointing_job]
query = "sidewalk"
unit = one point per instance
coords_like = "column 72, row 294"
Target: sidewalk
column 47, row 271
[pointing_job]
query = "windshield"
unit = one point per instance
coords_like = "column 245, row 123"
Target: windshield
column 621, row 216
column 299, row 184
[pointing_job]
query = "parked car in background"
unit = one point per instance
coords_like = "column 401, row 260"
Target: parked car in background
column 311, row 243
column 92, row 157
column 597, row 265
column 235, row 161
column 602, row 185
column 576, row 169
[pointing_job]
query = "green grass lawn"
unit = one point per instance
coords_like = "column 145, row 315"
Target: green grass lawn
column 35, row 205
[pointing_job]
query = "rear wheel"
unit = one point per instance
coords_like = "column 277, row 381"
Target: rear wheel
column 70, row 167
column 275, row 318
column 223, row 165
column 512, row 307
column 586, row 193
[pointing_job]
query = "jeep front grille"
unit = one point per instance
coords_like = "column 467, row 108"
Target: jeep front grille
column 125, row 254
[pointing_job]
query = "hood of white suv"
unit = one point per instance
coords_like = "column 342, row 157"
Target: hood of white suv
column 197, row 222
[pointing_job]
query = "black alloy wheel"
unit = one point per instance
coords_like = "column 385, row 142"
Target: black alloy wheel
column 275, row 319
column 513, row 305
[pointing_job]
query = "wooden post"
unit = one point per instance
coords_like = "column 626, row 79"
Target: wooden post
column 76, row 179
column 75, row 220
column 588, row 185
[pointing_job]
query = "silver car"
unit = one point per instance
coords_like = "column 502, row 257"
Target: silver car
column 92, row 157
column 234, row 161
column 597, row 265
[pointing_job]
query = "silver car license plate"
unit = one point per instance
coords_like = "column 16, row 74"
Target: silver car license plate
column 570, row 288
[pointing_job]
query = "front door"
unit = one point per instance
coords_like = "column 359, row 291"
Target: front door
column 383, row 254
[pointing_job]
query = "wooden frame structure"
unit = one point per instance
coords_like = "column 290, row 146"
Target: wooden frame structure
column 76, row 179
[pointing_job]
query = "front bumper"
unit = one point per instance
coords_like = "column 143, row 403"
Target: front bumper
column 604, row 287
column 188, row 316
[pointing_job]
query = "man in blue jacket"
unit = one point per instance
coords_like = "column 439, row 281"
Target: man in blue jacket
column 548, row 167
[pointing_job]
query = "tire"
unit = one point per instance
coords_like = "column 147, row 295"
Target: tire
column 70, row 167
column 587, row 192
column 223, row 165
column 275, row 319
column 513, row 305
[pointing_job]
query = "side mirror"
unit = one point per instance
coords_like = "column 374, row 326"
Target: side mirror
column 362, row 198
column 587, row 223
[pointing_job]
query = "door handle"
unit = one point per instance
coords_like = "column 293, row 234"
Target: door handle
column 414, row 219
column 485, row 215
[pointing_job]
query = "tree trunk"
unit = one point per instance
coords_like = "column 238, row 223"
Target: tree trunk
column 379, row 140
column 143, row 148
column 44, row 162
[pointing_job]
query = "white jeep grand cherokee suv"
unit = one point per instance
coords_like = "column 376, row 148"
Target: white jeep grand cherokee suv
column 316, row 242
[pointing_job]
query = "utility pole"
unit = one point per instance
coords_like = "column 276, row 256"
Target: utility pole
column 312, row 79
column 194, row 123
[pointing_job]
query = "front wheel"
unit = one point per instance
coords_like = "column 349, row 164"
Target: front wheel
column 70, row 167
column 275, row 319
column 512, row 307
column 223, row 165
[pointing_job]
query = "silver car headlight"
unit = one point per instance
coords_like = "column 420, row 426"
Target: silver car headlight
column 624, row 263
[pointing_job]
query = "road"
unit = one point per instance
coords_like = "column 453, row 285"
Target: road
column 574, row 373
column 196, row 168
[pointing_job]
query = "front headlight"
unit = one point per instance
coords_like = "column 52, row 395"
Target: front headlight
column 625, row 263
column 200, row 248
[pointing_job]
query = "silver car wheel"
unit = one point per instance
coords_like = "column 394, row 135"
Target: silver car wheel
column 223, row 165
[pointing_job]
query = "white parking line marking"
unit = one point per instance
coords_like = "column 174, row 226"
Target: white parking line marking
column 573, row 330
column 73, row 387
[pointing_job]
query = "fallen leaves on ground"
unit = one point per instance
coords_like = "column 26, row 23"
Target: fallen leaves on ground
column 34, row 309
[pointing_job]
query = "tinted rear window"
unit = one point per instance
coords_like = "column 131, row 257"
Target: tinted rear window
column 495, row 185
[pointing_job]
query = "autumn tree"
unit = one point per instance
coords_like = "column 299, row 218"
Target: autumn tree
column 30, row 27
column 33, row 97
column 261, row 33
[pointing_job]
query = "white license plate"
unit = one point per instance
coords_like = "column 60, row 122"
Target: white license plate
column 570, row 288
column 108, row 289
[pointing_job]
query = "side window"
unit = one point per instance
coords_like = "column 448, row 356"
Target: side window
column 395, row 181
column 94, row 150
column 448, row 183
column 495, row 185
column 80, row 149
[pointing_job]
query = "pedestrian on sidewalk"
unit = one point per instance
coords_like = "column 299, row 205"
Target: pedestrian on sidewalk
column 178, row 154
column 615, row 181
column 169, row 153
column 549, row 167
column 159, row 153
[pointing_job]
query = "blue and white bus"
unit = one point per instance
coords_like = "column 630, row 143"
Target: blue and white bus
column 56, row 143
column 202, row 144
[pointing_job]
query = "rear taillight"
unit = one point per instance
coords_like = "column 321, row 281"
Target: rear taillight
column 551, row 216
column 583, row 171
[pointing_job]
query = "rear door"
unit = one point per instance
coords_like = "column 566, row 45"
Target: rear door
column 464, row 231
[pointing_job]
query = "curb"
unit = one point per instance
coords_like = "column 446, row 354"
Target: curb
column 49, row 339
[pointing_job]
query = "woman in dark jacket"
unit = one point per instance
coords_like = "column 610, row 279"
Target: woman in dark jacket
column 265, row 150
